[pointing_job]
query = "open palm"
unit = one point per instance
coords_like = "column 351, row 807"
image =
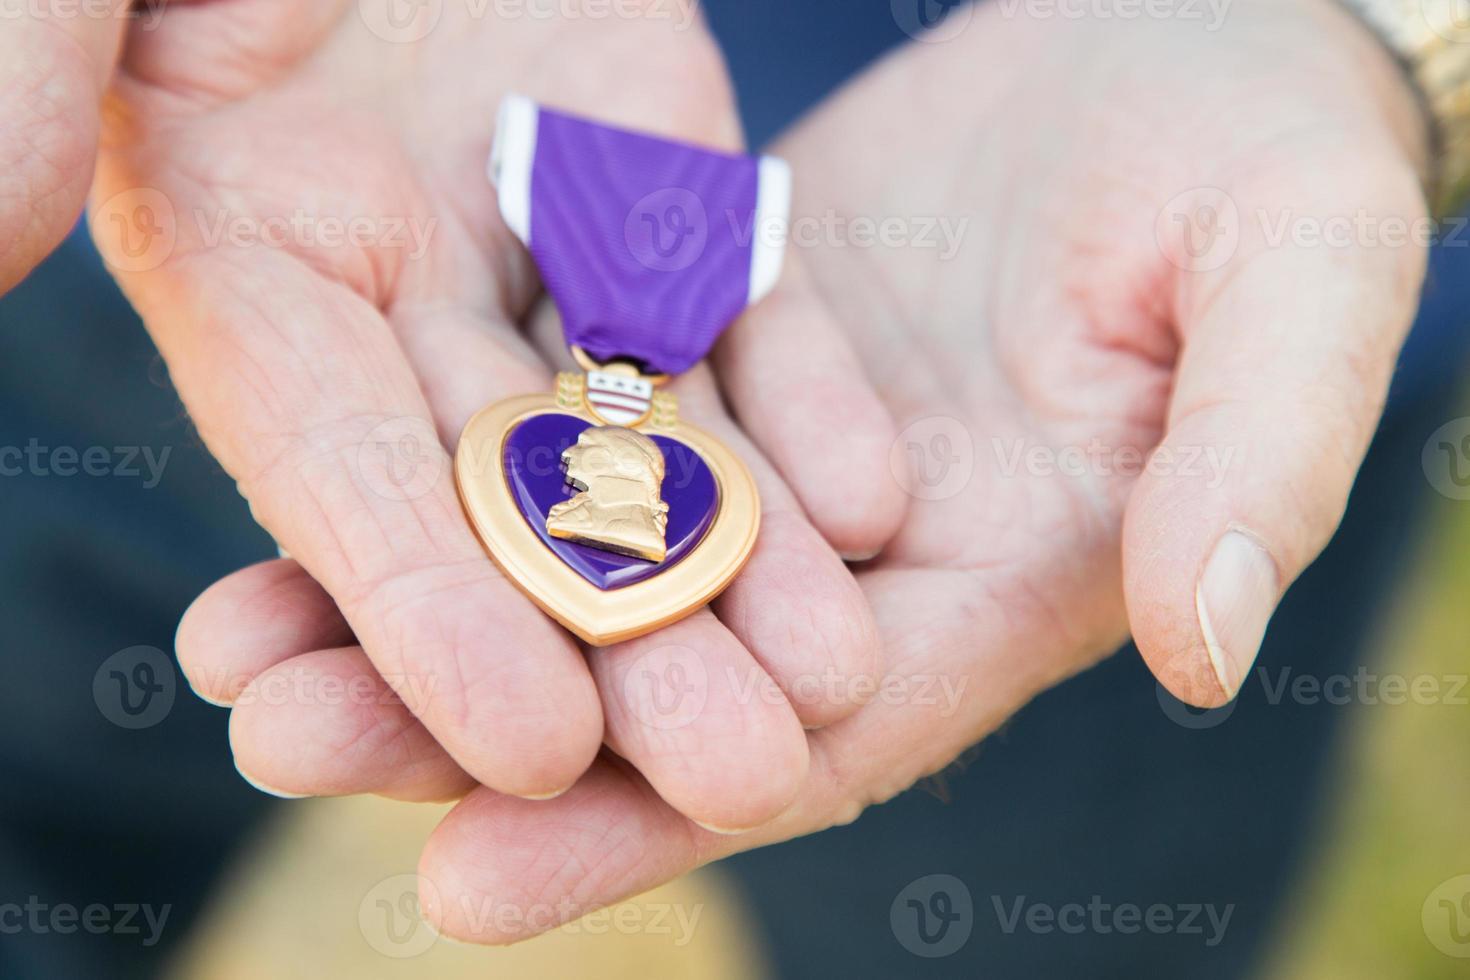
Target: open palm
column 295, row 200
column 1115, row 290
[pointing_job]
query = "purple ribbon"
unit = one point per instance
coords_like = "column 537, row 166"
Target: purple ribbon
column 649, row 247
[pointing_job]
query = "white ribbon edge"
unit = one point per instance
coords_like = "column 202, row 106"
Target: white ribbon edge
column 772, row 212
column 511, row 158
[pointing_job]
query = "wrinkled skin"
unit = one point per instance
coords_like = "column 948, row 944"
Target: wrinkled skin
column 1073, row 312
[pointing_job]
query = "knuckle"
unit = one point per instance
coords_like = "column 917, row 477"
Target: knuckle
column 819, row 640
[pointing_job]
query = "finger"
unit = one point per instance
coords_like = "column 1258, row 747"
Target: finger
column 795, row 606
column 222, row 50
column 1287, row 355
column 300, row 389
column 494, row 852
column 712, row 731
column 54, row 66
column 796, row 386
column 252, row 620
column 611, row 836
column 326, row 723
column 321, row 721
column 704, row 724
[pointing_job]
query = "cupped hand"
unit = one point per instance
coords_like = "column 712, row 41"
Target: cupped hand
column 294, row 198
column 1133, row 387
column 1135, row 268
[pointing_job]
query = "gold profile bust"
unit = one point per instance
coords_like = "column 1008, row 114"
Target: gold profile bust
column 620, row 473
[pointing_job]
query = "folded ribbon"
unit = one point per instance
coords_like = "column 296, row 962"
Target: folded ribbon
column 649, row 247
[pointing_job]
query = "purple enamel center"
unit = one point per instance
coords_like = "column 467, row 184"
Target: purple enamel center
column 537, row 481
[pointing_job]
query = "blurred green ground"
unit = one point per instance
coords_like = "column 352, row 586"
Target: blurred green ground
column 1400, row 828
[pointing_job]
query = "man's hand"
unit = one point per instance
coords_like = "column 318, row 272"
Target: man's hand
column 52, row 73
column 1119, row 285
column 1135, row 204
column 294, row 198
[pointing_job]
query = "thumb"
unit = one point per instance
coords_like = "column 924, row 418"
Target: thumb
column 1287, row 351
column 54, row 65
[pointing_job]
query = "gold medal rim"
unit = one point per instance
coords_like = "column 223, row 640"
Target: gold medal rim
column 596, row 616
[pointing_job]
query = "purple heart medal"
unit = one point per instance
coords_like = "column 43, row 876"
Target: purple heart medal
column 613, row 515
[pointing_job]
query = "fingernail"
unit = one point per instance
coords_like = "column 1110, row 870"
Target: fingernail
column 1235, row 598
column 269, row 790
column 722, row 831
column 429, row 925
column 209, row 700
